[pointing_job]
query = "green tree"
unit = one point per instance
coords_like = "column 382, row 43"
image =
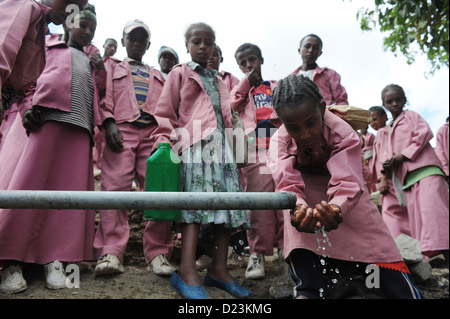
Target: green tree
column 412, row 27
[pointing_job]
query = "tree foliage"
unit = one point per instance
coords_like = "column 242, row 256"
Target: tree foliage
column 412, row 27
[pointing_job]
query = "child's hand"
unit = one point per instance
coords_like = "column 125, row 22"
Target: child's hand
column 113, row 136
column 97, row 61
column 253, row 77
column 303, row 220
column 394, row 163
column 383, row 185
column 327, row 215
column 31, row 120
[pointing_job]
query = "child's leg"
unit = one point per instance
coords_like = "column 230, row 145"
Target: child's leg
column 219, row 268
column 118, row 171
column 305, row 270
column 397, row 285
column 188, row 270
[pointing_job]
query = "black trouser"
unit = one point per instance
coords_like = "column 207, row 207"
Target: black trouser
column 314, row 275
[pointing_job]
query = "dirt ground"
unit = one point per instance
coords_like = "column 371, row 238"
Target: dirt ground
column 139, row 283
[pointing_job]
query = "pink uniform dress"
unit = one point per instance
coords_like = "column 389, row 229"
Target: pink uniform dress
column 332, row 171
column 57, row 156
column 329, row 83
column 394, row 215
column 120, row 168
column 427, row 200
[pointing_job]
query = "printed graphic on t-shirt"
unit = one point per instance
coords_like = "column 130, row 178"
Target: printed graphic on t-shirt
column 262, row 95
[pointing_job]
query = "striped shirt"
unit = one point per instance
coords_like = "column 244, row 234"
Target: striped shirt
column 81, row 98
column 141, row 81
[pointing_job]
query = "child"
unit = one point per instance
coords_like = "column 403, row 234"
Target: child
column 252, row 100
column 442, row 144
column 412, row 161
column 23, row 25
column 110, row 48
column 167, row 58
column 204, row 261
column 214, row 63
column 394, row 215
column 196, row 100
column 60, row 119
column 317, row 155
column 328, row 80
column 133, row 90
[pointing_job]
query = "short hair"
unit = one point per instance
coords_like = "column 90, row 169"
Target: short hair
column 198, row 25
column 394, row 87
column 219, row 49
column 378, row 109
column 293, row 90
column 110, row 39
column 246, row 46
column 312, row 35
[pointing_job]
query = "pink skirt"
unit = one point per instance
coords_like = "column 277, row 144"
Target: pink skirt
column 57, row 156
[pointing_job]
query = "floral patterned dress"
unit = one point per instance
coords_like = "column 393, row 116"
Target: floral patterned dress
column 204, row 166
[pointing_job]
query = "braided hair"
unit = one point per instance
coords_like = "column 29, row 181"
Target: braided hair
column 294, row 90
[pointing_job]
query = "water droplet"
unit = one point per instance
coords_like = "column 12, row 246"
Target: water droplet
column 334, row 280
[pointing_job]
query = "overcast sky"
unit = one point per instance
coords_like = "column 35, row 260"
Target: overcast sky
column 277, row 27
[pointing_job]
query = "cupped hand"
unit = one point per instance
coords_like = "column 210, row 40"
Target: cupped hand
column 328, row 216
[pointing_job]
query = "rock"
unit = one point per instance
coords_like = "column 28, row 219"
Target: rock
column 281, row 287
column 409, row 248
column 420, row 271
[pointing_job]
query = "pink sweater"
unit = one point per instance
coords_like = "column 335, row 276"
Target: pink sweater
column 185, row 105
column 329, row 83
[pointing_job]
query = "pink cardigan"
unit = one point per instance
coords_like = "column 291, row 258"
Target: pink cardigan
column 334, row 175
column 53, row 87
column 329, row 83
column 410, row 137
column 242, row 102
column 120, row 102
column 22, row 41
column 185, row 105
column 442, row 145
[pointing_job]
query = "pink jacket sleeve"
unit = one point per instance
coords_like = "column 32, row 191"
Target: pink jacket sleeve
column 20, row 21
column 281, row 162
column 338, row 92
column 421, row 135
column 344, row 164
column 166, row 113
column 442, row 147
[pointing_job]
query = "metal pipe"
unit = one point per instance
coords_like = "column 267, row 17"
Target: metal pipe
column 27, row 199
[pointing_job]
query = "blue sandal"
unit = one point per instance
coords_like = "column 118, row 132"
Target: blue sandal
column 232, row 287
column 190, row 292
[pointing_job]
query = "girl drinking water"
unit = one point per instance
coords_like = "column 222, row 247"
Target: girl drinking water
column 317, row 155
